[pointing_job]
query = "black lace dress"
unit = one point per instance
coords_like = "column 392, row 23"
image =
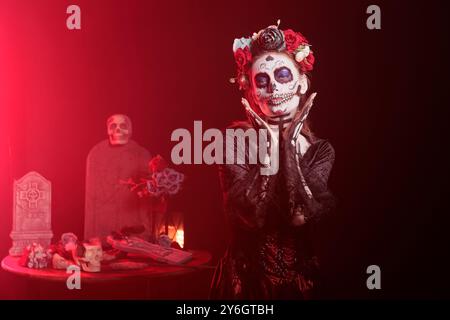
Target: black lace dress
column 268, row 257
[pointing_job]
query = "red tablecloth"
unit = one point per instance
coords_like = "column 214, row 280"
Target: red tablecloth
column 154, row 270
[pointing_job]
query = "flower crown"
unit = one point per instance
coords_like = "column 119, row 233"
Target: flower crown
column 271, row 39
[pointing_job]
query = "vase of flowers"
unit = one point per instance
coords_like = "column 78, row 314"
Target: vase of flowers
column 158, row 186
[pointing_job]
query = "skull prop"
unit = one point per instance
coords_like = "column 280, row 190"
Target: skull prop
column 277, row 84
column 91, row 262
column 119, row 129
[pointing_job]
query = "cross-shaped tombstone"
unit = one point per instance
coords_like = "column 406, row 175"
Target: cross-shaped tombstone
column 32, row 195
column 31, row 212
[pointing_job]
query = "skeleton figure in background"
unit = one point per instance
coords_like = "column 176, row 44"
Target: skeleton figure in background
column 272, row 216
column 109, row 205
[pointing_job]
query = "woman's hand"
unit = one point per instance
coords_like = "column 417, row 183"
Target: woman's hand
column 298, row 220
column 260, row 121
column 292, row 132
column 270, row 163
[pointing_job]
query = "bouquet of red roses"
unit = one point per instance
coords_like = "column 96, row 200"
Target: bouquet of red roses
column 162, row 181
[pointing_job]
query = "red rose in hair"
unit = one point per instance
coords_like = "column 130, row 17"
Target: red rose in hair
column 242, row 57
column 307, row 63
column 293, row 40
column 157, row 164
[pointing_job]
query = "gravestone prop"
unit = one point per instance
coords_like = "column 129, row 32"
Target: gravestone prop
column 31, row 212
column 109, row 205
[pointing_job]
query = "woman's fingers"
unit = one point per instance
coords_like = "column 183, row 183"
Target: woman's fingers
column 306, row 107
column 310, row 101
column 298, row 220
column 294, row 130
column 259, row 120
column 245, row 103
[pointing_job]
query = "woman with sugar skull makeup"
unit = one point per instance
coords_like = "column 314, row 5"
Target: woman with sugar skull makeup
column 272, row 216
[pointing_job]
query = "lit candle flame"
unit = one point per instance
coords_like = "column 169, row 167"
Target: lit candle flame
column 179, row 237
column 175, row 235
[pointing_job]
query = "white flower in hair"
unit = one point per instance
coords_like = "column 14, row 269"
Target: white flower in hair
column 241, row 43
column 302, row 53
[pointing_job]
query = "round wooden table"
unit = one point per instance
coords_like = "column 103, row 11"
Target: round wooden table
column 154, row 276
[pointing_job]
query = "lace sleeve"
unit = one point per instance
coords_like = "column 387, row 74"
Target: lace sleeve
column 307, row 180
column 246, row 192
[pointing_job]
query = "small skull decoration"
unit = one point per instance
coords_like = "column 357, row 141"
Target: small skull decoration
column 91, row 262
column 119, row 129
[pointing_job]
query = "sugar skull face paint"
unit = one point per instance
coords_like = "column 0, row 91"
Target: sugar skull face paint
column 276, row 84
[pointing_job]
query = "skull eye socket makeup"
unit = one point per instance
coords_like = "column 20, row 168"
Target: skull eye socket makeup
column 283, row 75
column 262, row 80
column 113, row 126
column 123, row 126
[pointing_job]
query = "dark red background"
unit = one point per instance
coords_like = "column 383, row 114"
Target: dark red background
column 166, row 64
